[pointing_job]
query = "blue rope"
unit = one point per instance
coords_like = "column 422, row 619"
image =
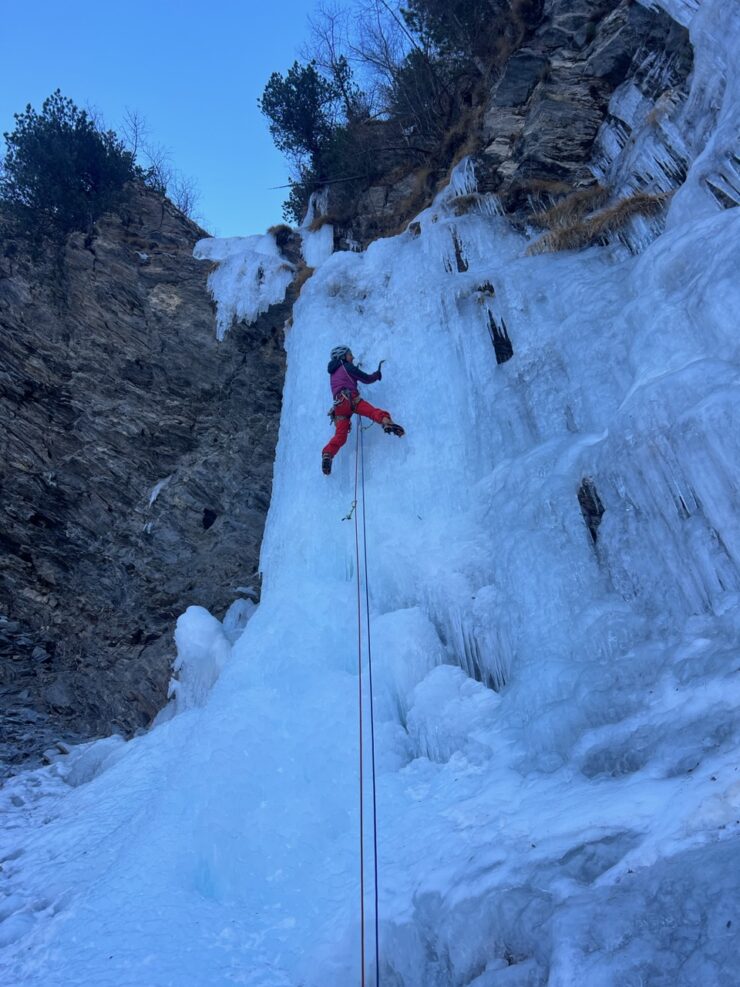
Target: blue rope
column 372, row 714
column 359, row 700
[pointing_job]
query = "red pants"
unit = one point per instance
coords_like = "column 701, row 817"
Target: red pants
column 343, row 423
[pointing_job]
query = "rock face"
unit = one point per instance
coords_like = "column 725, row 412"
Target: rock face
column 546, row 108
column 543, row 111
column 137, row 463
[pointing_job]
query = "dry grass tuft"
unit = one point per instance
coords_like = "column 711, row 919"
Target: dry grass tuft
column 320, row 221
column 585, row 232
column 280, row 231
column 302, row 275
column 573, row 207
column 544, row 186
column 471, row 144
column 463, row 204
column 465, row 136
column 423, row 191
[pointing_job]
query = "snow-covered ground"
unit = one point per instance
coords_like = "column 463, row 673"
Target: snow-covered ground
column 557, row 717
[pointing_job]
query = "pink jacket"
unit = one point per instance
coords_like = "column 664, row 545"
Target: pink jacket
column 344, row 376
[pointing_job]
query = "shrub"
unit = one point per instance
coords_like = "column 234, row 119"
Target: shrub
column 296, row 204
column 572, row 208
column 61, row 171
column 457, row 28
column 283, row 234
column 468, row 31
column 586, row 231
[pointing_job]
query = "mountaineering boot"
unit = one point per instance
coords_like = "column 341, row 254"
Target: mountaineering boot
column 326, row 464
column 390, row 428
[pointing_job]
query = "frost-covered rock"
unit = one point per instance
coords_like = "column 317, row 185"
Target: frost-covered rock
column 317, row 244
column 203, row 649
column 251, row 274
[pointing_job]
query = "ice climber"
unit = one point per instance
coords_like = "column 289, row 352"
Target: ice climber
column 344, row 377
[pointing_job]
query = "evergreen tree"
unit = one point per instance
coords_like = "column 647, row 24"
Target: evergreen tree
column 301, row 107
column 61, row 171
column 459, row 30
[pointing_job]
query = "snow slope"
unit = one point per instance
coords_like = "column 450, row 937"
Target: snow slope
column 557, row 718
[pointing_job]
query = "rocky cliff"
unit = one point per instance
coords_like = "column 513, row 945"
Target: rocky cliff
column 534, row 133
column 552, row 98
column 137, row 461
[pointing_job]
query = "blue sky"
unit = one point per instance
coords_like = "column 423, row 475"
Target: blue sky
column 194, row 70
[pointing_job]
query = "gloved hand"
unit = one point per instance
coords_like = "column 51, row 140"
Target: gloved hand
column 379, row 371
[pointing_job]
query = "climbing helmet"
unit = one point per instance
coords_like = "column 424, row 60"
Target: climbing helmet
column 339, row 352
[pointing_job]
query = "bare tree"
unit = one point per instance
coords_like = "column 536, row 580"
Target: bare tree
column 156, row 162
column 328, row 28
column 159, row 169
column 379, row 44
column 368, row 39
column 185, row 194
column 134, row 131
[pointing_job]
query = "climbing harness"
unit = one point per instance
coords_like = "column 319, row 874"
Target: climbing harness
column 342, row 396
column 360, row 475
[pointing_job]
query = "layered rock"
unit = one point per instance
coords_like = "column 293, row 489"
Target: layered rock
column 552, row 98
column 137, row 456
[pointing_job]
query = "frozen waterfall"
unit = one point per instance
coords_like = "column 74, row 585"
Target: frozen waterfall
column 554, row 553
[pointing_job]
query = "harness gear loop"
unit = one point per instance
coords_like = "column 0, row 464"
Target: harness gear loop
column 342, row 396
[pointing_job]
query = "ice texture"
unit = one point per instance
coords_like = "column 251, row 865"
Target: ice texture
column 316, row 245
column 237, row 617
column 250, row 275
column 203, row 648
column 554, row 584
column 158, row 488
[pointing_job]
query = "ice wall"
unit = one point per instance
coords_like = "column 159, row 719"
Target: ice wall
column 554, row 562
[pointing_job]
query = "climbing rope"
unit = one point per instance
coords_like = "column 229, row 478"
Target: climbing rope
column 372, row 717
column 360, row 475
column 359, row 703
column 351, row 512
